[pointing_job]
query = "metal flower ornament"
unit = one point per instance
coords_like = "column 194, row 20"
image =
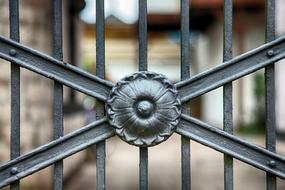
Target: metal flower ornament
column 144, row 108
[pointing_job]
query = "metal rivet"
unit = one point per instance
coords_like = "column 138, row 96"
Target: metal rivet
column 272, row 163
column 14, row 170
column 13, row 52
column 270, row 53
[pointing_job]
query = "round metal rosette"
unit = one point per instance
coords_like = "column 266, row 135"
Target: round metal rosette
column 144, row 108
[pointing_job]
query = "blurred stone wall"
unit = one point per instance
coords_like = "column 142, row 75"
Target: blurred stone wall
column 36, row 91
column 36, row 30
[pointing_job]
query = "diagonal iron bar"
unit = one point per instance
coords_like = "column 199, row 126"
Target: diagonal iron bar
column 234, row 146
column 54, row 151
column 47, row 66
column 232, row 70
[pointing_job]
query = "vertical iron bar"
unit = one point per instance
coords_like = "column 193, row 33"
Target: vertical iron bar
column 142, row 35
column 58, row 89
column 270, row 92
column 143, row 175
column 72, row 43
column 15, row 88
column 143, row 168
column 228, row 91
column 100, row 72
column 185, row 73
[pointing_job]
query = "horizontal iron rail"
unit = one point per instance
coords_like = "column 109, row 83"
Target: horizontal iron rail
column 231, row 145
column 47, row 66
column 231, row 70
column 54, row 151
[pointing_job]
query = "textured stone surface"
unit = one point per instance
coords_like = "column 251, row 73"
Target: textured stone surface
column 36, row 91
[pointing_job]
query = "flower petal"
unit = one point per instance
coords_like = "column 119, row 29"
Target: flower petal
column 163, row 127
column 167, row 97
column 120, row 118
column 167, row 114
column 118, row 102
column 147, row 88
column 126, row 89
column 149, row 132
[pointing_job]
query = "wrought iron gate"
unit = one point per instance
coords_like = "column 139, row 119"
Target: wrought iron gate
column 144, row 108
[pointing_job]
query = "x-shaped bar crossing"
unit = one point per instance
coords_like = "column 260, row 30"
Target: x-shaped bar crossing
column 100, row 130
